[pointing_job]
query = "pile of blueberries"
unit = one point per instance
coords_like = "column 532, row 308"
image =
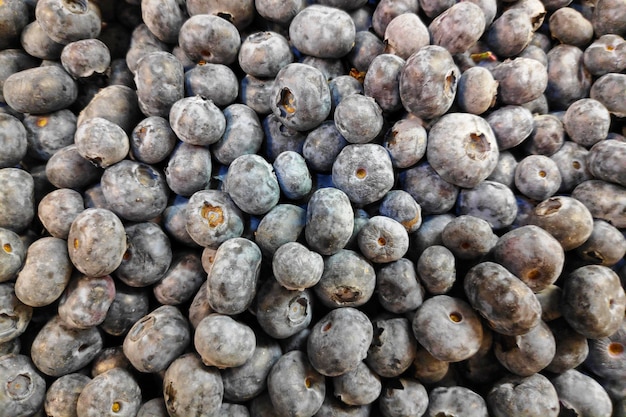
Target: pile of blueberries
column 394, row 208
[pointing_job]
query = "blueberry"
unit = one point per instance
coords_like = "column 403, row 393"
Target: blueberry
column 547, row 137
column 455, row 400
column 322, row 145
column 398, row 288
column 281, row 312
column 393, row 347
column 403, row 397
column 294, row 386
column 442, row 315
column 359, row 387
column 160, row 83
column 182, row 280
column 508, row 304
column 491, row 201
column 282, row 224
column 134, row 190
column 383, row 239
column 86, row 58
column 13, row 18
column 62, row 394
column 601, row 159
column 568, row 79
column 605, row 246
column 58, row 208
column 12, row 61
column 569, row 26
column 608, row 18
column 339, row 341
column 364, row 172
column 117, row 104
column 128, row 306
column 212, row 218
column 526, row 354
column 477, row 89
column 157, row 339
column 59, row 349
column 113, row 392
column 188, row 169
column 531, row 396
column 433, row 68
column 468, row 237
column 23, row 389
column 153, row 408
column 17, row 315
column 209, row 38
column 164, row 19
column 593, row 313
column 102, row 142
column 322, row 31
column 15, row 137
column 329, row 221
column 605, row 54
column 263, row 54
column 239, row 12
column 600, row 198
column 197, row 121
column 565, row 218
column 67, row 169
column 367, row 46
column 96, row 242
column 458, row 27
column 587, row 121
column 510, row 33
column 436, row 269
column 293, row 175
column 509, row 75
column 249, row 380
column 66, row 22
column 387, row 10
column 531, row 254
column 537, row 177
column 469, row 141
column 427, row 369
column 571, row 160
column 405, row 34
column 12, row 255
column 142, row 42
column 152, row 140
column 280, row 138
column 224, row 342
column 429, row 233
column 348, row 280
column 233, row 276
column 332, row 407
column 252, row 184
column 402, row 207
column 40, row 90
column 300, row 97
column 199, row 307
column 243, row 134
column 428, row 188
column 256, row 93
column 296, row 267
column 278, row 11
column 86, row 300
column 215, row 82
column 582, row 395
column 341, row 87
column 45, row 273
column 48, row 133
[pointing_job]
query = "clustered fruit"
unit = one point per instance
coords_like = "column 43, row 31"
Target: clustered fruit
column 312, row 208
